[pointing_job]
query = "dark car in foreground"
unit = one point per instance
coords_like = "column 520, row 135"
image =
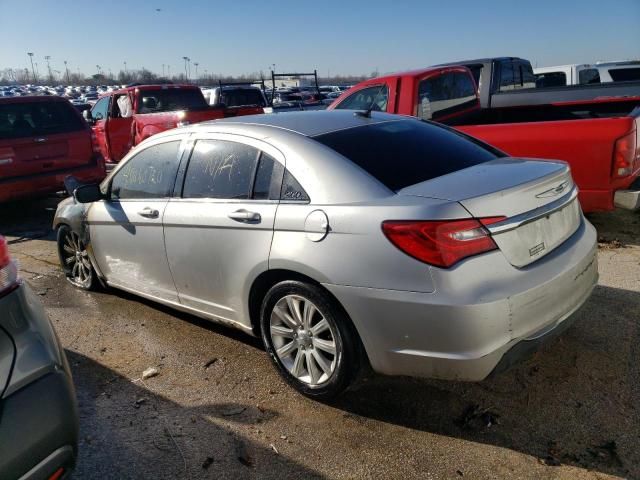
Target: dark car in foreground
column 38, row 413
column 42, row 140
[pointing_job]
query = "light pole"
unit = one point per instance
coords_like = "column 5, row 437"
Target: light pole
column 37, row 71
column 47, row 58
column 196, row 64
column 169, row 72
column 186, row 73
column 163, row 69
column 98, row 67
column 67, row 69
column 33, row 70
column 125, row 68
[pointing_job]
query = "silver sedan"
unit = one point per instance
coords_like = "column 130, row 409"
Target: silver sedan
column 343, row 239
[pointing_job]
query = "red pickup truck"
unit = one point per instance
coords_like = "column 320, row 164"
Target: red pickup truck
column 123, row 118
column 600, row 139
column 42, row 141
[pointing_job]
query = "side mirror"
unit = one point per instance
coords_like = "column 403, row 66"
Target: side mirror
column 87, row 116
column 88, row 193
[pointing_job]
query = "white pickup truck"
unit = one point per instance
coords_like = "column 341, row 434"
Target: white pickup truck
column 582, row 74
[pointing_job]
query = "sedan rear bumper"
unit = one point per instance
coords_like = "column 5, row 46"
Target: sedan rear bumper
column 481, row 309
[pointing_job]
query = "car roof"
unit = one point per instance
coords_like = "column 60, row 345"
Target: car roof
column 308, row 123
column 33, row 99
column 479, row 60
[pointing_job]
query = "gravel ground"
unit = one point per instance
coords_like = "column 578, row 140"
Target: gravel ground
column 218, row 409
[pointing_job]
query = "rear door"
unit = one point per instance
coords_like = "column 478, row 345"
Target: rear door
column 41, row 137
column 218, row 235
column 126, row 229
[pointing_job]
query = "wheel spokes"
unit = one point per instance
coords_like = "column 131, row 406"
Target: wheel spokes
column 320, row 327
column 287, row 349
column 294, row 307
column 328, row 346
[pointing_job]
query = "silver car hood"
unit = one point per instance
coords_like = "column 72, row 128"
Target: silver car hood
column 501, row 187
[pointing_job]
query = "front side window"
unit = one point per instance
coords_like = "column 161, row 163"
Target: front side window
column 100, row 109
column 590, row 75
column 149, row 174
column 220, row 169
column 374, row 98
column 444, row 94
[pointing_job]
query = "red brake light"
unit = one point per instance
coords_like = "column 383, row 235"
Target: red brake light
column 8, row 270
column 442, row 243
column 624, row 155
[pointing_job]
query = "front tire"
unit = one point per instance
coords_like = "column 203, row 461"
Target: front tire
column 310, row 339
column 74, row 259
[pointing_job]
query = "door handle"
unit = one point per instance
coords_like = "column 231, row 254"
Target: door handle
column 149, row 212
column 245, row 216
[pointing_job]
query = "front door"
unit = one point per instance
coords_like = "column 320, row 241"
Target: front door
column 218, row 235
column 120, row 122
column 99, row 115
column 126, row 229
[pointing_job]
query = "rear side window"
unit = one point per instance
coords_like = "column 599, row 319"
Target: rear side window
column 445, row 94
column 374, row 98
column 170, row 99
column 19, row 120
column 405, row 152
column 220, row 169
column 624, row 74
column 149, row 174
column 292, row 190
column 506, row 76
column 590, row 75
column 266, row 185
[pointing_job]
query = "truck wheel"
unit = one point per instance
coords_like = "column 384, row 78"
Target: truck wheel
column 74, row 259
column 310, row 339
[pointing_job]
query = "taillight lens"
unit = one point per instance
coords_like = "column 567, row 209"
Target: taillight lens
column 94, row 143
column 625, row 155
column 8, row 270
column 442, row 243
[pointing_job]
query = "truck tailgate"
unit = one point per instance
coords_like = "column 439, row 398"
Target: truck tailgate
column 587, row 145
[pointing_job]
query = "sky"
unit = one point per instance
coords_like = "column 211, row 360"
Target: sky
column 334, row 37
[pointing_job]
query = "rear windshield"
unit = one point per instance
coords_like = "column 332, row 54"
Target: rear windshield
column 403, row 153
column 38, row 118
column 169, row 100
column 243, row 98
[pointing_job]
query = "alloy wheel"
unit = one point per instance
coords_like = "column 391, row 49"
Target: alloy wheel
column 76, row 260
column 304, row 340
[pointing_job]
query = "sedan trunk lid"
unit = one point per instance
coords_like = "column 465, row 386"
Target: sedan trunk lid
column 537, row 198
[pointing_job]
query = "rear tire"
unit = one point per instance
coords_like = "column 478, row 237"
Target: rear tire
column 310, row 339
column 74, row 259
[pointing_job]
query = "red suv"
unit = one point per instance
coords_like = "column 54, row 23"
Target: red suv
column 42, row 141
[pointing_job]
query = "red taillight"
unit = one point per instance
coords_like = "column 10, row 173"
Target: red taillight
column 442, row 243
column 8, row 270
column 625, row 155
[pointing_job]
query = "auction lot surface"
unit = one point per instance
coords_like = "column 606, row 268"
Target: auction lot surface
column 218, row 409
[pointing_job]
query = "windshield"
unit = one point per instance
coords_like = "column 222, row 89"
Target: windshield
column 168, row 100
column 403, row 153
column 38, row 118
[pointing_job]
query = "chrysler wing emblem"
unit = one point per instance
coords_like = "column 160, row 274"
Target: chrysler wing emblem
column 552, row 192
